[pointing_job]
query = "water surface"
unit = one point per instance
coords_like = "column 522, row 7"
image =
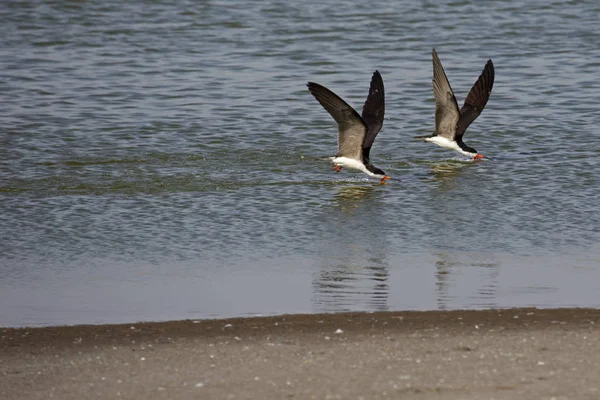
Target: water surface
column 162, row 161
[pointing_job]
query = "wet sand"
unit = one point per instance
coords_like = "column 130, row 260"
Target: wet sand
column 491, row 354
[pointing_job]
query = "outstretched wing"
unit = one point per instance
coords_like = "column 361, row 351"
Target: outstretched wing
column 446, row 108
column 476, row 99
column 373, row 112
column 351, row 128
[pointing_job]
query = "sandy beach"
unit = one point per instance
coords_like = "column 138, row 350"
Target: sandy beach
column 491, row 354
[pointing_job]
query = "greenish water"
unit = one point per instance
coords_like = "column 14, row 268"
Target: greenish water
column 163, row 161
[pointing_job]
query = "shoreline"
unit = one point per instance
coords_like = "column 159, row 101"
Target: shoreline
column 424, row 315
column 499, row 353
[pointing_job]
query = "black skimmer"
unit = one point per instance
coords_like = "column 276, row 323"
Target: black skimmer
column 450, row 123
column 355, row 133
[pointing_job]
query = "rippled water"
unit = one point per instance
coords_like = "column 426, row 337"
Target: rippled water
column 164, row 161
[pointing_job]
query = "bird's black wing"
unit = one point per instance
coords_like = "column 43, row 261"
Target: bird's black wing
column 373, row 112
column 476, row 99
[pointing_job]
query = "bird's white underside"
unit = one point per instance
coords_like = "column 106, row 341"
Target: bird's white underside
column 352, row 163
column 448, row 144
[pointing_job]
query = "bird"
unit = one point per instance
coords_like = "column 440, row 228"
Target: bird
column 356, row 133
column 450, row 123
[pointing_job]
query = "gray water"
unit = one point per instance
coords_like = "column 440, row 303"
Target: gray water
column 163, row 161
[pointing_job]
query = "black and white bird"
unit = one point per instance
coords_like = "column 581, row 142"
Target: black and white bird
column 450, row 123
column 356, row 134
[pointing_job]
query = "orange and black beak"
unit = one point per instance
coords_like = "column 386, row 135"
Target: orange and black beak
column 383, row 179
column 478, row 156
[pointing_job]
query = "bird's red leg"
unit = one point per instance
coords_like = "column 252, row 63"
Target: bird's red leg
column 337, row 168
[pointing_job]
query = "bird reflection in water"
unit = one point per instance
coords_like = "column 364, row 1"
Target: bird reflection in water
column 347, row 193
column 448, row 171
column 355, row 274
column 452, row 275
column 349, row 198
column 352, row 287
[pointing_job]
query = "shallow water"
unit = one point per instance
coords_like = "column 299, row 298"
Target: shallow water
column 163, row 161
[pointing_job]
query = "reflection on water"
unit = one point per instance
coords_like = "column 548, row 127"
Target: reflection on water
column 454, row 281
column 443, row 280
column 348, row 198
column 445, row 173
column 367, row 285
column 355, row 269
column 344, row 287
